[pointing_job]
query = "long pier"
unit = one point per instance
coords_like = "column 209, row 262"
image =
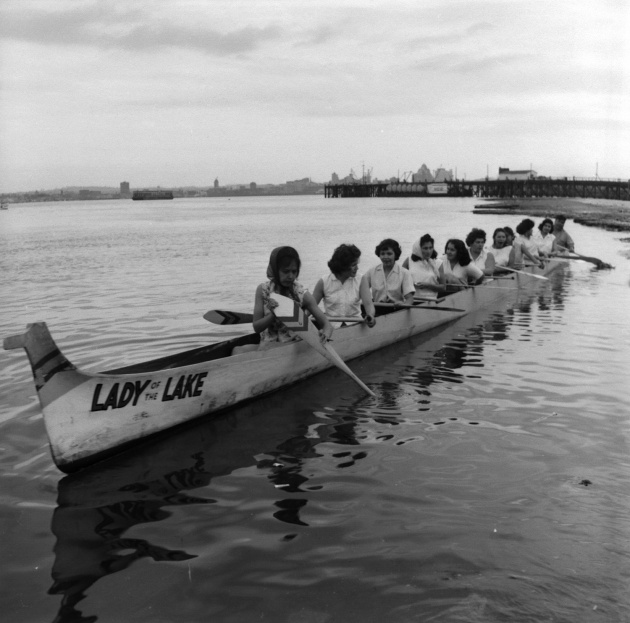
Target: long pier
column 586, row 188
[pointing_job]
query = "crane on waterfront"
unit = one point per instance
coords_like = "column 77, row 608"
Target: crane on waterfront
column 366, row 177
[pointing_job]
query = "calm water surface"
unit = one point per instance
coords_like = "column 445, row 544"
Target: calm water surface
column 487, row 481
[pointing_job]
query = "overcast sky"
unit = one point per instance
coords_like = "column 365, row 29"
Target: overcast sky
column 180, row 92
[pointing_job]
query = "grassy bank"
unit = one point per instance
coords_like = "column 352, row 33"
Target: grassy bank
column 611, row 215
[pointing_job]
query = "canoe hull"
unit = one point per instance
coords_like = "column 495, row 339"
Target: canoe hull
column 89, row 416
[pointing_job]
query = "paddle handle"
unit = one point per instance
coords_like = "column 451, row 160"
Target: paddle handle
column 421, row 307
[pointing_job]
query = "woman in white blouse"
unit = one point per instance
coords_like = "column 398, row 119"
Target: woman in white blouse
column 503, row 254
column 343, row 290
column 476, row 242
column 525, row 247
column 425, row 268
column 545, row 238
column 457, row 268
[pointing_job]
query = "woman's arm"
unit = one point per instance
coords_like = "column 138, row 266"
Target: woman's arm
column 308, row 302
column 568, row 243
column 368, row 304
column 318, row 292
column 261, row 320
column 366, row 285
column 474, row 273
column 490, row 264
column 512, row 258
column 441, row 287
column 407, row 287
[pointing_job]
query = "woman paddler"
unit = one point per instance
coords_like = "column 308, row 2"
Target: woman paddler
column 425, row 268
column 525, row 246
column 343, row 290
column 283, row 271
column 545, row 239
column 502, row 252
column 457, row 269
column 390, row 282
column 476, row 242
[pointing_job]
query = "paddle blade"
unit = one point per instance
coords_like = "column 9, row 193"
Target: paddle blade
column 219, row 316
column 333, row 357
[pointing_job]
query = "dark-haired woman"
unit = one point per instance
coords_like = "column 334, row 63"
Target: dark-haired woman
column 525, row 246
column 425, row 268
column 545, row 239
column 283, row 271
column 343, row 290
column 457, row 268
column 500, row 250
column 476, row 242
column 389, row 282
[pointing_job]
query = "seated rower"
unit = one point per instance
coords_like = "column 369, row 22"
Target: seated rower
column 457, row 269
column 425, row 268
column 524, row 246
column 563, row 243
column 476, row 241
column 545, row 239
column 283, row 271
column 343, row 290
column 389, row 282
column 502, row 252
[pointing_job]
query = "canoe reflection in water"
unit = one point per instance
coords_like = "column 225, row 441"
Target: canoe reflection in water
column 96, row 507
column 277, row 435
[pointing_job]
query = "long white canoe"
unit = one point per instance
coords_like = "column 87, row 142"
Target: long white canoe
column 89, row 416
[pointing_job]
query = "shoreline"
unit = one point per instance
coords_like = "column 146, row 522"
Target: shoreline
column 611, row 215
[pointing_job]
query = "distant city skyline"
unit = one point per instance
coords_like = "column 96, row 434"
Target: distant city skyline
column 422, row 174
column 176, row 93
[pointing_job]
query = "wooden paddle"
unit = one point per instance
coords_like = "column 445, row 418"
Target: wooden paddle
column 576, row 256
column 292, row 316
column 220, row 316
column 522, row 272
column 481, row 285
column 423, row 307
column 428, row 299
column 592, row 260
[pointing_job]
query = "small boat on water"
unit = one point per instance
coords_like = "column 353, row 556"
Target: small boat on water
column 145, row 195
column 496, row 205
column 90, row 416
